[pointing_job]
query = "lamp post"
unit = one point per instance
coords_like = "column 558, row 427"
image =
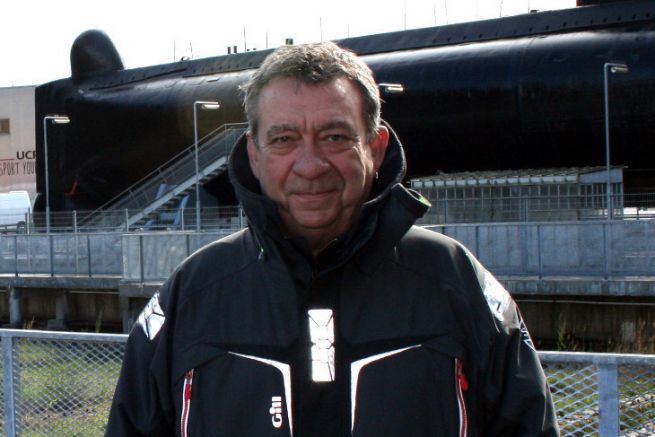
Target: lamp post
column 56, row 119
column 209, row 106
column 609, row 67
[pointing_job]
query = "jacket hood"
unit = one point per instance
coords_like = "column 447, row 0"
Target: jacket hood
column 262, row 211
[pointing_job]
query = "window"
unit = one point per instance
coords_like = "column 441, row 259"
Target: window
column 4, row 125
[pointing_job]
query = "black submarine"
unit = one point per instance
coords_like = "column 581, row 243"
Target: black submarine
column 517, row 92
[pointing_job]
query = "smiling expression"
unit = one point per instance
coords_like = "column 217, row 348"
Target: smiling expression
column 312, row 155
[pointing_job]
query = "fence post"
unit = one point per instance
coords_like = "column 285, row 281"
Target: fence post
column 606, row 247
column 16, row 255
column 75, row 221
column 15, row 315
column 526, row 215
column 525, row 247
column 608, row 398
column 8, row 383
column 539, row 255
column 88, row 253
column 477, row 240
column 52, row 252
column 141, row 257
column 127, row 220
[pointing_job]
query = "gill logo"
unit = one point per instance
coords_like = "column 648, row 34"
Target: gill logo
column 276, row 411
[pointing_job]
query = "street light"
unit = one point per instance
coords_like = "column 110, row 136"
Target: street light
column 609, row 67
column 56, row 119
column 208, row 106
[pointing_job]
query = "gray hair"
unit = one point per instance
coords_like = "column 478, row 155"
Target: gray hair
column 314, row 64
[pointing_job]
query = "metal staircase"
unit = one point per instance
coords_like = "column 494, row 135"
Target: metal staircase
column 169, row 184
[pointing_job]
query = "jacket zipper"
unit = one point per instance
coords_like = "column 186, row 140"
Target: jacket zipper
column 186, row 402
column 462, row 385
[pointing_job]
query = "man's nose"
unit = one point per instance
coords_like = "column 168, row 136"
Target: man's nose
column 311, row 161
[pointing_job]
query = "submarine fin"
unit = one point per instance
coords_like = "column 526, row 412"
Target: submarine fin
column 93, row 53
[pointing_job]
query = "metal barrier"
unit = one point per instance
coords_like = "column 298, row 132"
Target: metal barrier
column 61, row 384
column 582, row 249
column 154, row 256
column 62, row 254
column 600, row 249
column 491, row 208
column 119, row 220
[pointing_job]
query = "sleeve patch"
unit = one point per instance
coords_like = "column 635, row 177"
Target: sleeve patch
column 497, row 297
column 152, row 317
column 526, row 336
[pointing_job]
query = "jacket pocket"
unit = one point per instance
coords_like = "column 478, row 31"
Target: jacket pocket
column 235, row 395
column 417, row 391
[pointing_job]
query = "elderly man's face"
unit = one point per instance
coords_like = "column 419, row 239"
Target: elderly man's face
column 312, row 156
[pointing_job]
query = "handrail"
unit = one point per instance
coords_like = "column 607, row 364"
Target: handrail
column 171, row 162
column 175, row 171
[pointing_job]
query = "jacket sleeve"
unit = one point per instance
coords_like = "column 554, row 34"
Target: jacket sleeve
column 516, row 394
column 141, row 405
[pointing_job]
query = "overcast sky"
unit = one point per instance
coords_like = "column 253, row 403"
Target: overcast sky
column 37, row 35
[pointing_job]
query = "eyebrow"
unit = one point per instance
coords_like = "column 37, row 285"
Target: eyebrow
column 277, row 128
column 335, row 124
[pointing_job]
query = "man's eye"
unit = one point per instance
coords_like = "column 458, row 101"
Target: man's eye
column 281, row 144
column 338, row 142
column 281, row 139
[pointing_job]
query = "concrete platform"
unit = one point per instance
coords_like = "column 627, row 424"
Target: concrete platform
column 641, row 286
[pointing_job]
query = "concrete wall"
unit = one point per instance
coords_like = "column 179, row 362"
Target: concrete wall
column 608, row 325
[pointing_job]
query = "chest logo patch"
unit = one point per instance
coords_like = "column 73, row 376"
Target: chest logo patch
column 276, row 411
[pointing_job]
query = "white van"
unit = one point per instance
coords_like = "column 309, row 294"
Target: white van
column 15, row 207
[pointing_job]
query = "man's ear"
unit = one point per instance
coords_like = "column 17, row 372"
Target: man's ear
column 253, row 154
column 379, row 146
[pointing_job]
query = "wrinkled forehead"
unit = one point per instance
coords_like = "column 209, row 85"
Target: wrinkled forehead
column 281, row 99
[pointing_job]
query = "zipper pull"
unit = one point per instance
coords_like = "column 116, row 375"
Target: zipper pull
column 188, row 379
column 186, row 402
column 463, row 382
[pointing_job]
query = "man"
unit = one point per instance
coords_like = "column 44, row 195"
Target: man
column 331, row 315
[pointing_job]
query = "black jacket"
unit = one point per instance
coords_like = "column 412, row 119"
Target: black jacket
column 425, row 342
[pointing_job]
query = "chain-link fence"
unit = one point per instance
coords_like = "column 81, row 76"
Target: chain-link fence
column 602, row 394
column 58, row 384
column 61, row 384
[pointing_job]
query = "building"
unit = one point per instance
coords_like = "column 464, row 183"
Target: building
column 17, row 140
